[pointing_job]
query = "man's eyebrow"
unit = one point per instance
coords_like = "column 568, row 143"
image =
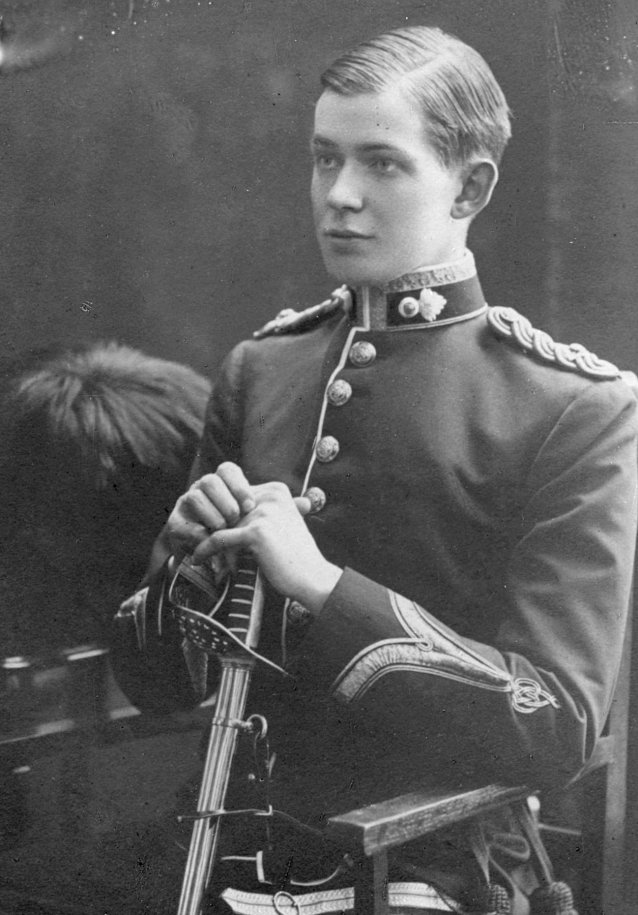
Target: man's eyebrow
column 316, row 141
column 380, row 147
column 324, row 143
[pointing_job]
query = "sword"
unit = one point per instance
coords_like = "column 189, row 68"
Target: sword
column 232, row 633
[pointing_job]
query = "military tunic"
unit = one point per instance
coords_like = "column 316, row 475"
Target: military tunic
column 481, row 499
column 477, row 483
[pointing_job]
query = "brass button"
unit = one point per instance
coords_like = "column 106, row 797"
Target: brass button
column 362, row 353
column 339, row 392
column 327, row 449
column 316, row 497
column 297, row 614
column 409, row 307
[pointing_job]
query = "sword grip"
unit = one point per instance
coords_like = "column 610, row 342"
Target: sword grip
column 246, row 601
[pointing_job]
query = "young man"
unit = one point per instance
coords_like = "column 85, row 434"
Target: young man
column 441, row 499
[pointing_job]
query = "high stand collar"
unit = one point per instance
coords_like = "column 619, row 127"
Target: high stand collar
column 432, row 297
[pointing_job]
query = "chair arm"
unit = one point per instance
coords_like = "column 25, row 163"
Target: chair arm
column 387, row 824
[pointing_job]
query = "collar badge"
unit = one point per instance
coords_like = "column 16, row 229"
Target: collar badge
column 429, row 305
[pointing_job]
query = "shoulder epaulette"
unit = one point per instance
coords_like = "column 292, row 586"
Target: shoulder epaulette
column 631, row 381
column 290, row 321
column 510, row 325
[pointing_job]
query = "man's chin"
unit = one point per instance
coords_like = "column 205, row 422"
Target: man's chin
column 354, row 275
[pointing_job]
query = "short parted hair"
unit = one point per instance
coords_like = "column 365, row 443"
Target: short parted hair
column 464, row 110
column 96, row 445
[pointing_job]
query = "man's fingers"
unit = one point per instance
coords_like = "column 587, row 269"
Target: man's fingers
column 204, row 511
column 183, row 542
column 185, row 536
column 238, row 485
column 216, row 493
column 226, row 541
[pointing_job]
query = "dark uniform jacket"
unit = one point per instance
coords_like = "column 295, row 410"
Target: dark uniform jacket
column 477, row 482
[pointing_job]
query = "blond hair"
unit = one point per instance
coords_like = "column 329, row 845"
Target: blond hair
column 464, row 110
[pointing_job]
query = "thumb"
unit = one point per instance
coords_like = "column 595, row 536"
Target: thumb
column 303, row 504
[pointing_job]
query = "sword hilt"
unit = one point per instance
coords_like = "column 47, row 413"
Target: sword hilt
column 235, row 621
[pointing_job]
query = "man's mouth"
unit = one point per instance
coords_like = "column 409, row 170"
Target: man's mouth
column 344, row 233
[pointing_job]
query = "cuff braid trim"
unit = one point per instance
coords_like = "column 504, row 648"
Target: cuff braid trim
column 429, row 649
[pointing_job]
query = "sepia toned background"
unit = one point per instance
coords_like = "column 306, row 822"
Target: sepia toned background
column 154, row 175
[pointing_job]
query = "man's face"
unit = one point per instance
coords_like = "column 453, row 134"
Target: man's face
column 381, row 198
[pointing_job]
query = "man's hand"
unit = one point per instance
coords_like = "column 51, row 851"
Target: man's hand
column 222, row 514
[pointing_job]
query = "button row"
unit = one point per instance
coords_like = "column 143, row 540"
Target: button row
column 339, row 393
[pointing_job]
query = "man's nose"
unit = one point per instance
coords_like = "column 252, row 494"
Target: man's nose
column 346, row 191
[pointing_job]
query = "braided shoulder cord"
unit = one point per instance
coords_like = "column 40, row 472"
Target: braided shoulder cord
column 510, row 325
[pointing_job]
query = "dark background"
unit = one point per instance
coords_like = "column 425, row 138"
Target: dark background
column 154, row 189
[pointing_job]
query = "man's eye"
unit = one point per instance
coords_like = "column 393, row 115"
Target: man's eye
column 325, row 161
column 385, row 166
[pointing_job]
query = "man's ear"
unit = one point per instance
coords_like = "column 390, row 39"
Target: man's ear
column 479, row 180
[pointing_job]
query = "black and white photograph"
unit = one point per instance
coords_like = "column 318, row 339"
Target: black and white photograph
column 318, row 457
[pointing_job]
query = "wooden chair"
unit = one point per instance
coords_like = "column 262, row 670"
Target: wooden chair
column 371, row 832
column 607, row 865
